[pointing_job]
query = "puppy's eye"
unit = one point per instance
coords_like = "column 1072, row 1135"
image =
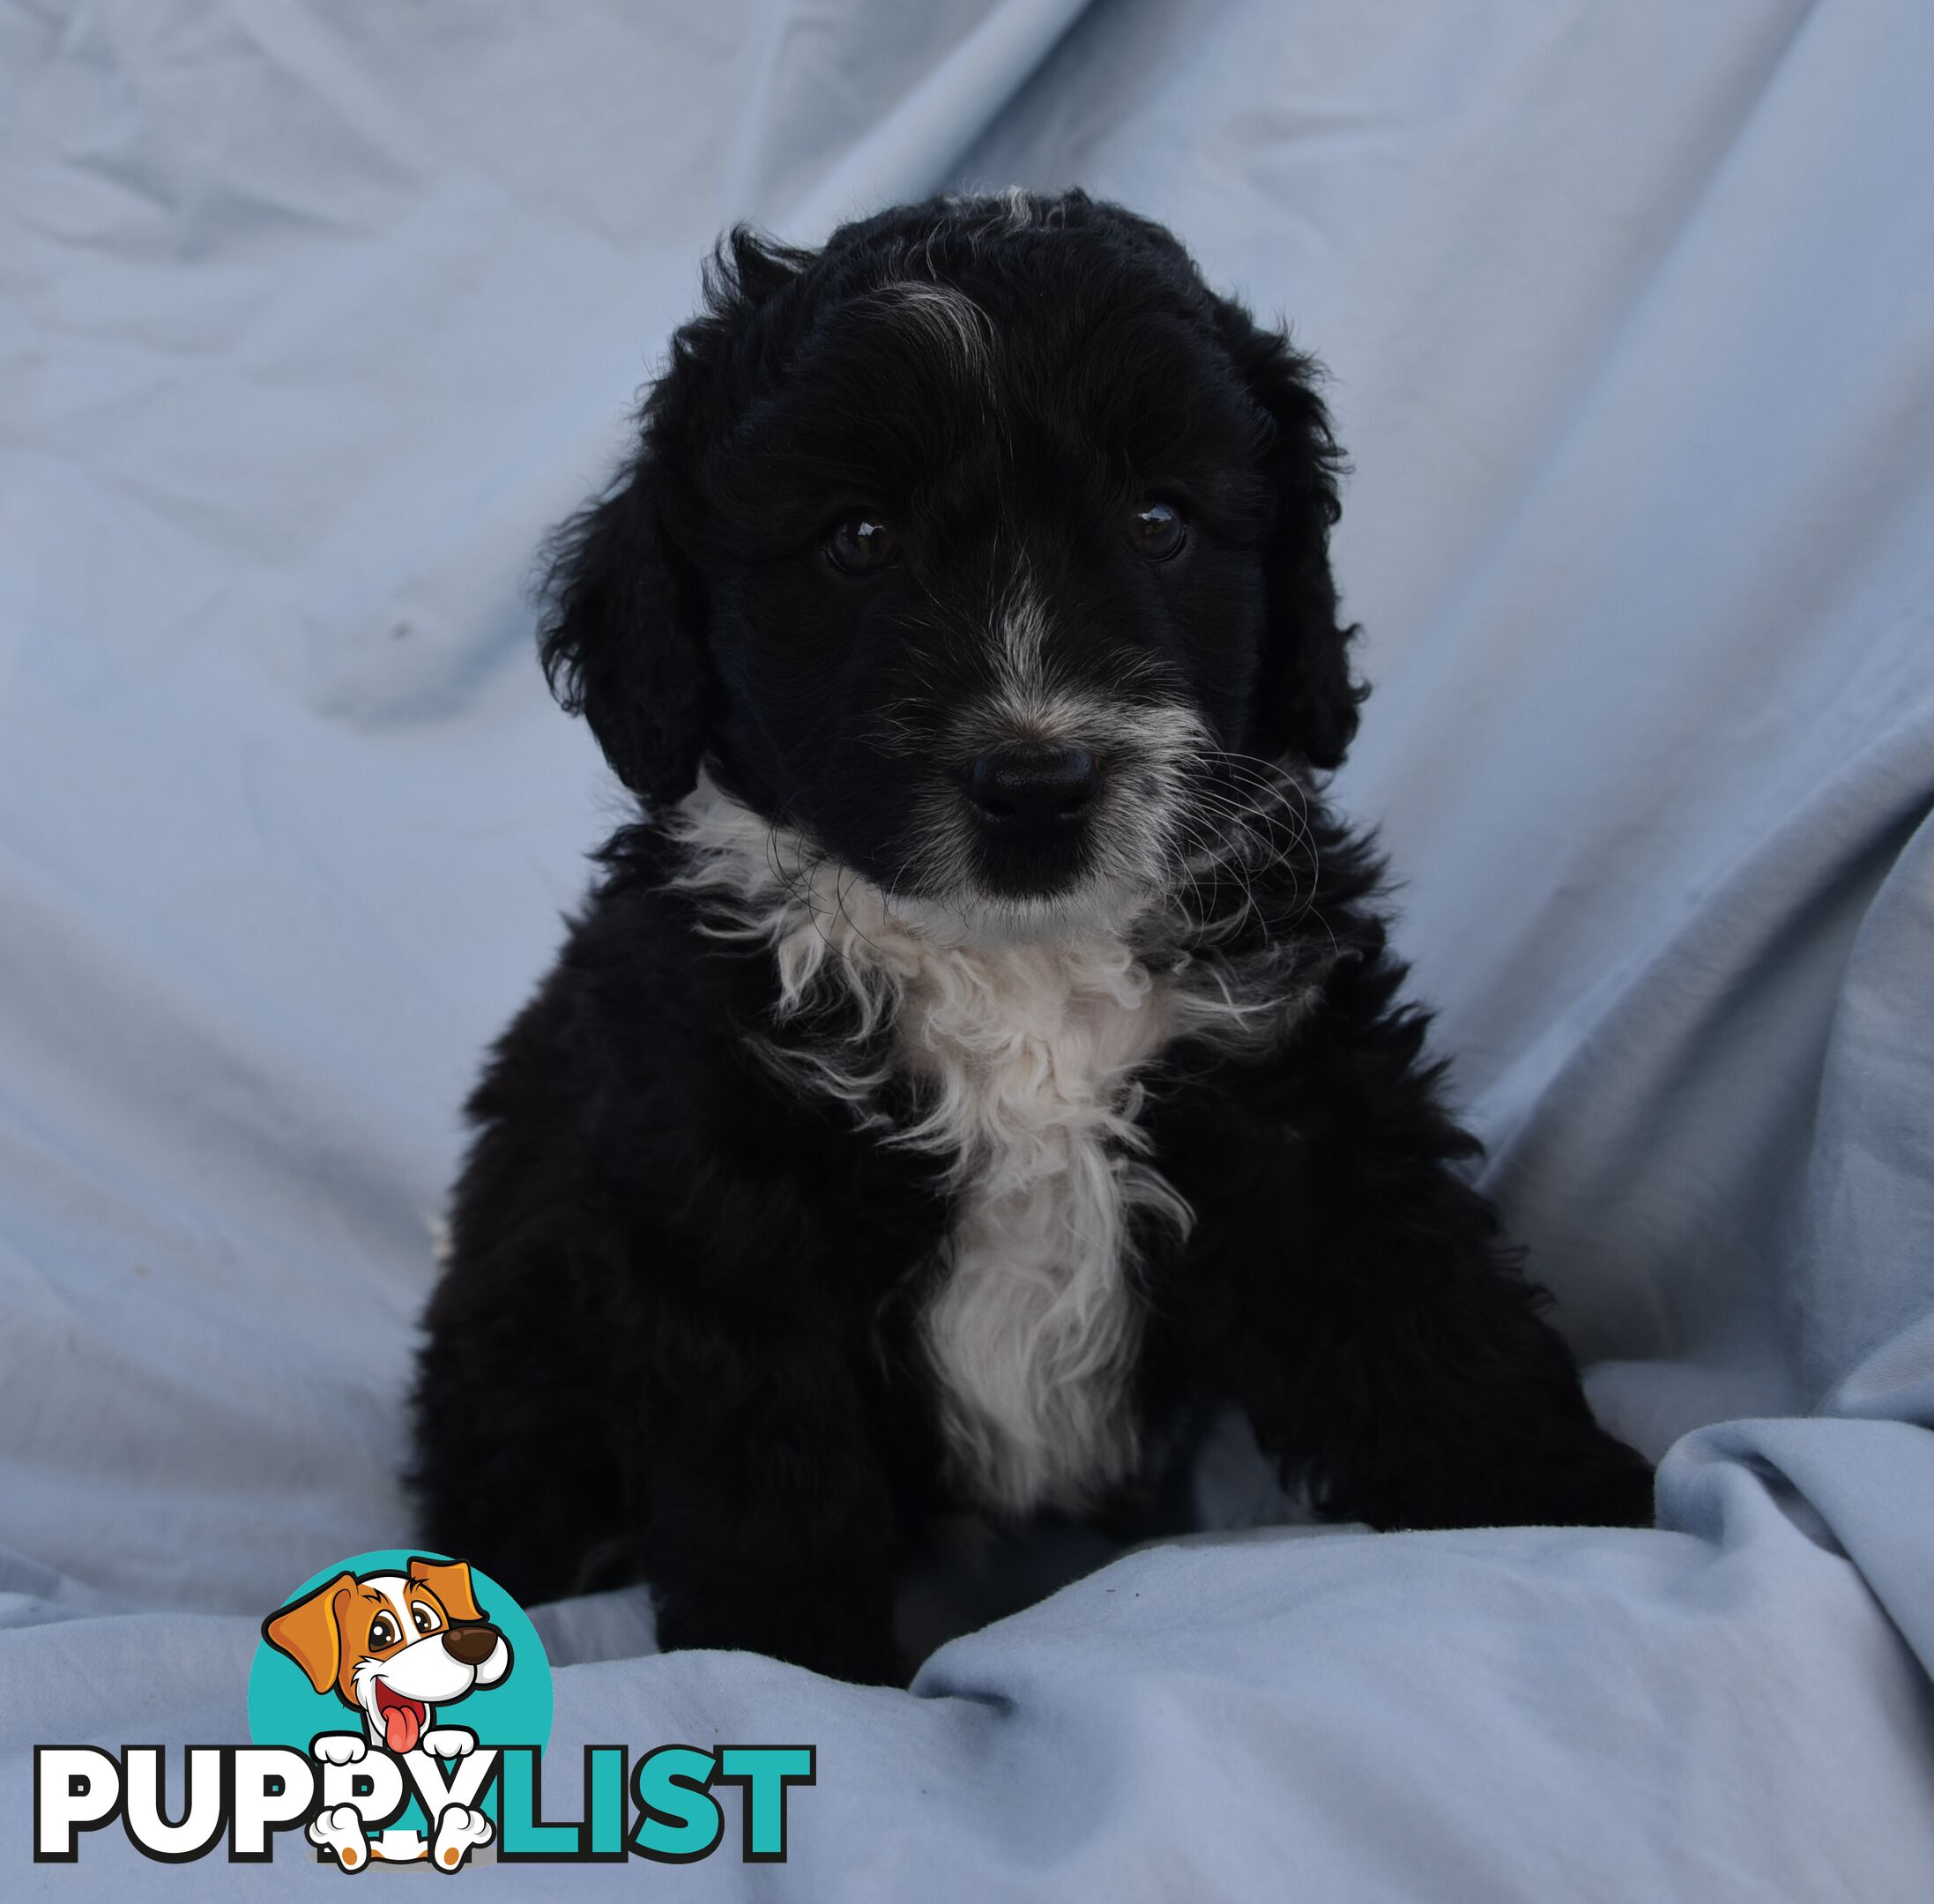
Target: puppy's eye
column 425, row 1621
column 860, row 544
column 383, row 1632
column 1157, row 530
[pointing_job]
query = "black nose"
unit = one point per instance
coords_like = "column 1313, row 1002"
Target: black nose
column 1033, row 787
column 472, row 1645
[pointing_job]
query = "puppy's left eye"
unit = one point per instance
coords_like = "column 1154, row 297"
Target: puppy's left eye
column 1157, row 530
column 862, row 543
column 425, row 1621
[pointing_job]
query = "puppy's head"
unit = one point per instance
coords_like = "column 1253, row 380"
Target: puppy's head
column 985, row 546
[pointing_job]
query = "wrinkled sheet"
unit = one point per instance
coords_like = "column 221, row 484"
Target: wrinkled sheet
column 312, row 318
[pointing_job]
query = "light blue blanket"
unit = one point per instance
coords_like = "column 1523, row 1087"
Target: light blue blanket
column 313, row 317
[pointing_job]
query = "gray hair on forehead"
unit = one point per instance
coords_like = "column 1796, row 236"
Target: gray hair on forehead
column 1013, row 210
column 945, row 318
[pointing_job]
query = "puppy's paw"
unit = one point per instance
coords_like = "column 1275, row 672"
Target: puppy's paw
column 340, row 1748
column 448, row 1742
column 1588, row 1479
column 339, row 1829
column 1614, row 1488
column 459, row 1831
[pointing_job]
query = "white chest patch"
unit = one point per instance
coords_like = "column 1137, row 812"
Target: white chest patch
column 1026, row 1056
column 1029, row 1052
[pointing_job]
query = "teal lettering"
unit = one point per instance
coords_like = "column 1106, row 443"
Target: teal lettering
column 521, row 1833
column 604, row 1799
column 766, row 1770
column 681, row 1821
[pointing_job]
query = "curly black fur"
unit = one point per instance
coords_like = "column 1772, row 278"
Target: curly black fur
column 678, row 1339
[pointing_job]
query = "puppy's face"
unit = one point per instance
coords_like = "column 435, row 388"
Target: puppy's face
column 986, row 548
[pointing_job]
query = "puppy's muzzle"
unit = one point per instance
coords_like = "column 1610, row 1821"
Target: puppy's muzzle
column 1033, row 792
column 471, row 1646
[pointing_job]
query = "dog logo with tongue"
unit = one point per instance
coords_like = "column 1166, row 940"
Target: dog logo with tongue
column 400, row 1644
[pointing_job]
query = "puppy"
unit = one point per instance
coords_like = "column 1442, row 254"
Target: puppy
column 393, row 1648
column 984, row 1045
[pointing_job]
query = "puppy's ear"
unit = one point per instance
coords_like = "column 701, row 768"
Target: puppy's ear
column 621, row 641
column 1306, row 700
column 450, row 1581
column 624, row 636
column 310, row 1631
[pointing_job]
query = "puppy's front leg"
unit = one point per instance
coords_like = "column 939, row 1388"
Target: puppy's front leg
column 1370, row 1319
column 772, row 1525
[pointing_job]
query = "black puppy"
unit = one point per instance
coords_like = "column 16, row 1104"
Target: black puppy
column 985, row 1043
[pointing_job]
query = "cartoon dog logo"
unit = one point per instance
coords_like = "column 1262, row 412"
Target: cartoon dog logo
column 394, row 1648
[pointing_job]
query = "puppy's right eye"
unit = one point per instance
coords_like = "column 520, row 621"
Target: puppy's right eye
column 383, row 1632
column 1157, row 530
column 860, row 544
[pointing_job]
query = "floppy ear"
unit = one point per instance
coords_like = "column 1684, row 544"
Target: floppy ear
column 450, row 1581
column 623, row 640
column 1306, row 699
column 311, row 1632
column 620, row 640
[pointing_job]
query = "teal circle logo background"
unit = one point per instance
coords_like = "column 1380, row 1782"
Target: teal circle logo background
column 283, row 1709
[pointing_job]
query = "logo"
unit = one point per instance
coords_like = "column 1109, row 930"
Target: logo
column 399, row 1705
column 399, row 1666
